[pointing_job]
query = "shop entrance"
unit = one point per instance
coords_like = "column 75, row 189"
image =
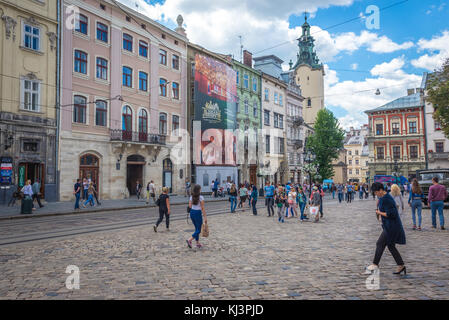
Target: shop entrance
column 253, row 175
column 32, row 171
column 90, row 168
column 167, row 175
column 134, row 173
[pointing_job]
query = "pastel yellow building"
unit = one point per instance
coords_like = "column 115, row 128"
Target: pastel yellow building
column 28, row 81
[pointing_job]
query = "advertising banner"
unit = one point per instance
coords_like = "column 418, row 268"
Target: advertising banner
column 215, row 108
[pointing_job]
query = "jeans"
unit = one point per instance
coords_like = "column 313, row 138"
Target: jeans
column 333, row 194
column 349, row 197
column 197, row 219
column 37, row 197
column 416, row 204
column 292, row 208
column 163, row 213
column 90, row 199
column 84, row 194
column 302, row 206
column 270, row 204
column 340, row 197
column 254, row 202
column 77, row 201
column 434, row 206
column 361, row 195
column 380, row 247
column 233, row 203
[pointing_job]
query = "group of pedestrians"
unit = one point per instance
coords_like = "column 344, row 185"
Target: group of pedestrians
column 348, row 191
column 87, row 191
column 30, row 191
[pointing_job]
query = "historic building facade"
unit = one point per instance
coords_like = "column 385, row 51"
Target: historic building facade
column 123, row 93
column 309, row 75
column 437, row 144
column 28, row 105
column 396, row 137
column 340, row 167
column 248, row 117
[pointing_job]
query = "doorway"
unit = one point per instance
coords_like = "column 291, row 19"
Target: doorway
column 167, row 175
column 32, row 171
column 253, row 175
column 134, row 172
column 90, row 169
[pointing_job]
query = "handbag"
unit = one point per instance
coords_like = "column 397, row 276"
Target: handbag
column 205, row 230
column 188, row 209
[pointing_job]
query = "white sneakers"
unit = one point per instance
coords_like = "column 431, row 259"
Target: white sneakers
column 370, row 269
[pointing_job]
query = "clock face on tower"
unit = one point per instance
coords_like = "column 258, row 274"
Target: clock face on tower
column 305, row 55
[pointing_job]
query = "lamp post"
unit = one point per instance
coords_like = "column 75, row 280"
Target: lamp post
column 309, row 157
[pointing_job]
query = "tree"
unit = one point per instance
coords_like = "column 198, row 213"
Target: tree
column 326, row 142
column 438, row 95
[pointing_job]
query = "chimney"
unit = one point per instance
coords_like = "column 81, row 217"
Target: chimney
column 248, row 58
column 410, row 92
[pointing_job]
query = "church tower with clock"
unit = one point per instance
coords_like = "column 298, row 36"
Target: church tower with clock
column 309, row 75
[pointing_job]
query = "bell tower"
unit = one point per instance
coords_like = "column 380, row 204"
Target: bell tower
column 309, row 75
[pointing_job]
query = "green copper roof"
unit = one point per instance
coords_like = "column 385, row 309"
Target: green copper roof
column 410, row 101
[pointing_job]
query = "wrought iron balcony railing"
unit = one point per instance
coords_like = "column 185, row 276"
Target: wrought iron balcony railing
column 141, row 137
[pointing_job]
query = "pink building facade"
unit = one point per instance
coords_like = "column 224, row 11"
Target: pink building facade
column 123, row 99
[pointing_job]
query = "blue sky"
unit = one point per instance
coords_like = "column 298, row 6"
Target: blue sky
column 413, row 38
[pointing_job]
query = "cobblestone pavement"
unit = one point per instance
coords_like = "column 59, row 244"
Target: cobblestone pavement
column 245, row 257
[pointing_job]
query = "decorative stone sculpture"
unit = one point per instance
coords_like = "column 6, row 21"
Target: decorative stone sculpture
column 10, row 27
column 180, row 21
column 52, row 37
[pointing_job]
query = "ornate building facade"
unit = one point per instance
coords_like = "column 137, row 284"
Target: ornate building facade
column 28, row 92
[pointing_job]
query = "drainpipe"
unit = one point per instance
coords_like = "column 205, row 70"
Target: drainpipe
column 58, row 96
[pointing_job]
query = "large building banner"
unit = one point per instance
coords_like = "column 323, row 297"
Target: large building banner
column 215, row 109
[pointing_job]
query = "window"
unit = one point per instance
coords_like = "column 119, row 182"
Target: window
column 175, row 122
column 396, row 152
column 395, row 127
column 281, row 145
column 30, row 95
column 79, row 109
column 237, row 107
column 246, row 81
column 255, row 84
column 255, row 114
column 102, row 69
column 276, row 98
column 350, row 152
column 266, row 117
column 437, row 125
column 30, row 146
column 143, row 49
column 80, row 62
column 379, row 129
column 32, row 36
column 163, row 57
column 309, row 102
column 267, row 144
column 127, row 77
column 81, row 24
column 380, row 153
column 101, row 111
column 175, row 62
column 175, row 88
column 127, row 120
column 127, row 42
column 439, row 147
column 143, row 125
column 238, row 77
column 357, row 161
column 412, row 127
column 246, row 107
column 357, row 171
column 162, row 87
column 143, row 81
column 281, row 103
column 163, row 123
column 413, row 152
column 102, row 32
column 356, row 152
column 350, row 171
column 278, row 121
column 350, row 162
column 281, row 121
column 266, row 95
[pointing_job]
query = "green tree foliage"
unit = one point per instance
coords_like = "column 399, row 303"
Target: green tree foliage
column 438, row 95
column 326, row 142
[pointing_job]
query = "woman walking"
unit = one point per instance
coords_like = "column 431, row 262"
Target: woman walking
column 28, row 192
column 197, row 213
column 415, row 201
column 243, row 194
column 280, row 201
column 90, row 195
column 164, row 209
column 315, row 201
column 302, row 201
column 393, row 232
column 397, row 196
column 254, row 195
column 292, row 203
column 233, row 197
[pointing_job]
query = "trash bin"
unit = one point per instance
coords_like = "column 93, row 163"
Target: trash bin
column 27, row 206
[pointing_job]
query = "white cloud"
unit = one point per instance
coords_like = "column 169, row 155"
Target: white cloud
column 438, row 48
column 354, row 66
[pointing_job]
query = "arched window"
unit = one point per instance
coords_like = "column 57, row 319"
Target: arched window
column 101, row 112
column 163, row 123
column 127, row 122
column 79, row 109
column 143, row 125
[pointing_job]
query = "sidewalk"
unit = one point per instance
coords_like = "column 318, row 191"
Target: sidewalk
column 67, row 207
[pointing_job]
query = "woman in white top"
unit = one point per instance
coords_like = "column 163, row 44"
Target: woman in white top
column 28, row 192
column 292, row 203
column 397, row 196
column 197, row 213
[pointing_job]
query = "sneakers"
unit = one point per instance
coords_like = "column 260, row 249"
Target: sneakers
column 199, row 245
column 189, row 244
column 443, row 228
column 414, row 227
column 155, row 228
column 370, row 269
column 282, row 220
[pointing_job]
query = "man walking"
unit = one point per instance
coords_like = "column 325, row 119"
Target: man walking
column 151, row 192
column 340, row 192
column 269, row 194
column 437, row 195
column 77, row 193
column 94, row 184
column 37, row 192
column 188, row 186
column 138, row 189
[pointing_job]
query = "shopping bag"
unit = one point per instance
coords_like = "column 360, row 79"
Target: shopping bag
column 205, row 230
column 314, row 211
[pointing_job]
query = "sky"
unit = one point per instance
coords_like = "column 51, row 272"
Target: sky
column 359, row 55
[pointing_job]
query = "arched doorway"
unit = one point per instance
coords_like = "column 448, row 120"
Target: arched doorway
column 90, row 169
column 134, row 172
column 167, row 174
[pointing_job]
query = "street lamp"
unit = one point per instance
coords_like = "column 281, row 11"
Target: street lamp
column 309, row 157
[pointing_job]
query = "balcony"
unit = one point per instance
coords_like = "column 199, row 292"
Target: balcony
column 139, row 137
column 433, row 156
column 298, row 121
